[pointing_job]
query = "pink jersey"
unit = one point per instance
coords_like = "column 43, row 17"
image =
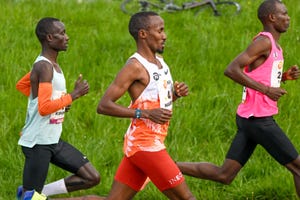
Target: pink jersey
column 143, row 134
column 269, row 73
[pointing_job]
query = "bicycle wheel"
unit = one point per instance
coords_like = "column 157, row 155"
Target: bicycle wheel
column 133, row 6
column 226, row 8
column 130, row 6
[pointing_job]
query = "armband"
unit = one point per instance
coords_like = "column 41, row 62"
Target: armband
column 138, row 113
column 176, row 95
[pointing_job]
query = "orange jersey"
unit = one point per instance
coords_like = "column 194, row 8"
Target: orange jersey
column 144, row 134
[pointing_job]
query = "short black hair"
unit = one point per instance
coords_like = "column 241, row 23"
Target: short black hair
column 266, row 8
column 44, row 27
column 139, row 21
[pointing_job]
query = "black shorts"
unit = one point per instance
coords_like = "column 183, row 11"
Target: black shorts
column 38, row 158
column 263, row 131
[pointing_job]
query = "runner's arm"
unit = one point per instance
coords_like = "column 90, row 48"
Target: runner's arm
column 23, row 85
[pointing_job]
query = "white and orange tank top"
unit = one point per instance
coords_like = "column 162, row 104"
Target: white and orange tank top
column 144, row 134
column 255, row 103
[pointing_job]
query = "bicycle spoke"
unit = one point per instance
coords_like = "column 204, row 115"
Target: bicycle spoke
column 156, row 6
column 132, row 6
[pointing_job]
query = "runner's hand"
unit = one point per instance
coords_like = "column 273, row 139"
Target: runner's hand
column 159, row 115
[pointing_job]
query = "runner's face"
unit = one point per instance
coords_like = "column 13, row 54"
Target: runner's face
column 282, row 18
column 60, row 39
column 156, row 34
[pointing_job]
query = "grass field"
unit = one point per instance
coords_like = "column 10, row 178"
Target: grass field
column 198, row 49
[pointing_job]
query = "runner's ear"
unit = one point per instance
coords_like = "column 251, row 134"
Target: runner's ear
column 142, row 33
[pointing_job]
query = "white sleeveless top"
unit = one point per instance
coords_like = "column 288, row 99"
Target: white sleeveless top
column 143, row 134
column 44, row 129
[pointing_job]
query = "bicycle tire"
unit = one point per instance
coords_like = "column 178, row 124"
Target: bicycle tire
column 133, row 6
column 227, row 8
column 130, row 6
column 201, row 5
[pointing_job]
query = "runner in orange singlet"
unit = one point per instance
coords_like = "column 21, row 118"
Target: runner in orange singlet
column 147, row 79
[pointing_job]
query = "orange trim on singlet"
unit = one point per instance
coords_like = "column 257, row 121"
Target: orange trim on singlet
column 23, row 85
column 48, row 105
column 144, row 134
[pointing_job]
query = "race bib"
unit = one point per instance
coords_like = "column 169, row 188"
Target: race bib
column 165, row 94
column 58, row 116
column 276, row 73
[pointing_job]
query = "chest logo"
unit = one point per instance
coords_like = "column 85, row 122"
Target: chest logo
column 166, row 71
column 156, row 76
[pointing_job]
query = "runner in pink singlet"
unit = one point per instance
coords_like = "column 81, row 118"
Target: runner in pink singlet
column 269, row 73
column 260, row 70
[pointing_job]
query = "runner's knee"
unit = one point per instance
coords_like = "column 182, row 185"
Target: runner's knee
column 94, row 179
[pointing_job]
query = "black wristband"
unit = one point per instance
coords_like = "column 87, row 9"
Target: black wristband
column 138, row 113
column 176, row 95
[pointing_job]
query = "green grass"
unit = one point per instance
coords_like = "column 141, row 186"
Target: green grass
column 198, row 49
